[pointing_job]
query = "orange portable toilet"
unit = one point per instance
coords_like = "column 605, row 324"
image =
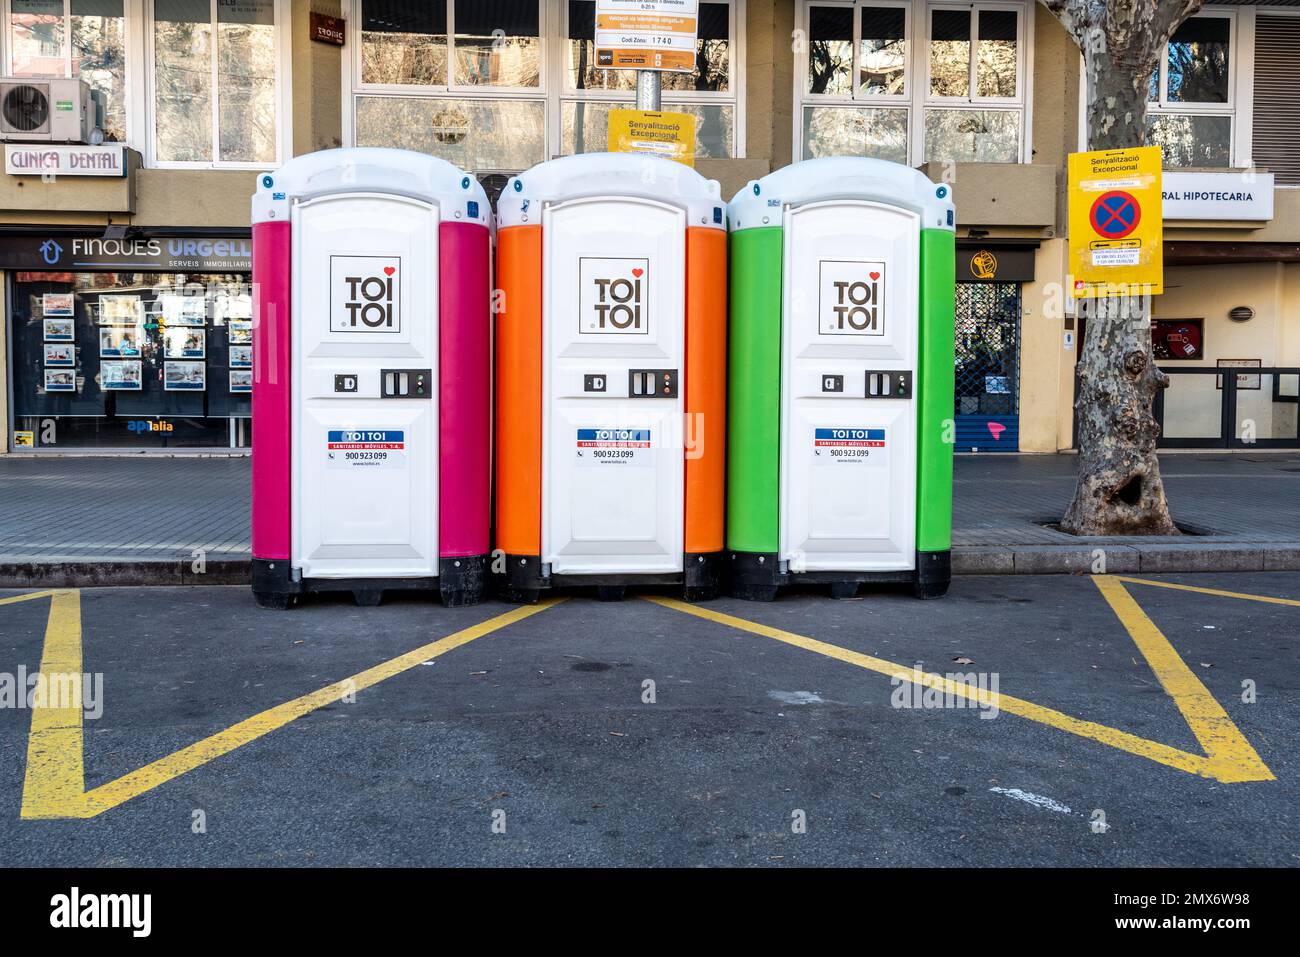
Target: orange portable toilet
column 611, row 377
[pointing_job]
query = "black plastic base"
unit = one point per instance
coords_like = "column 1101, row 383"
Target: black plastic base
column 460, row 581
column 757, row 576
column 521, row 582
column 933, row 574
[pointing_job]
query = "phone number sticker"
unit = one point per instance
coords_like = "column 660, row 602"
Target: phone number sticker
column 365, row 449
column 628, row 448
column 849, row 446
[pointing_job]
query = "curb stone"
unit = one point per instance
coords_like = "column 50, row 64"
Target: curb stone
column 967, row 560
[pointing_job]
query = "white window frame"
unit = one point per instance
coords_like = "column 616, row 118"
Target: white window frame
column 551, row 90
column 130, row 57
column 283, row 94
column 139, row 81
column 1164, row 107
column 1241, row 83
column 917, row 98
column 1003, row 104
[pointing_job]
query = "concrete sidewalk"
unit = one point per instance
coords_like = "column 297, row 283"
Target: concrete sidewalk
column 1241, row 513
column 74, row 521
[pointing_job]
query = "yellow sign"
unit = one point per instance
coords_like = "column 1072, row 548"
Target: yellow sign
column 646, row 34
column 1116, row 223
column 24, row 440
column 670, row 135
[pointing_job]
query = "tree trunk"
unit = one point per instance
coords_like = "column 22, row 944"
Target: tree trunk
column 1119, row 490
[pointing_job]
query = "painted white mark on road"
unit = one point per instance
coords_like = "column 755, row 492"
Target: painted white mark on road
column 1037, row 800
column 796, row 697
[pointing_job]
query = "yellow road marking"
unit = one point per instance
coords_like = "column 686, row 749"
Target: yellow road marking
column 1210, row 591
column 1228, row 756
column 27, row 597
column 55, row 774
column 1222, row 740
column 55, row 783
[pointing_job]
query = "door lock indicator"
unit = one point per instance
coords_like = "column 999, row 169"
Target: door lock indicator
column 406, row 383
column 594, row 383
column 892, row 384
column 346, row 382
column 652, row 384
column 832, row 383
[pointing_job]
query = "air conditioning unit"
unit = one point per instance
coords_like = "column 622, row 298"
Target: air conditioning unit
column 36, row 110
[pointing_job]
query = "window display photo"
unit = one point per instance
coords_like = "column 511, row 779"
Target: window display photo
column 58, row 354
column 184, row 376
column 184, row 342
column 59, row 330
column 98, row 353
column 182, row 310
column 119, row 342
column 120, row 311
column 60, row 380
column 57, row 303
column 119, row 375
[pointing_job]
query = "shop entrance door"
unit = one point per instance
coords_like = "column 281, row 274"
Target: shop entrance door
column 988, row 367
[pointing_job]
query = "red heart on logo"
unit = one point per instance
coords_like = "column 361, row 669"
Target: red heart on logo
column 637, row 272
column 389, row 270
column 874, row 275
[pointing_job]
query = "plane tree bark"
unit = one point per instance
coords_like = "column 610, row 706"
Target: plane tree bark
column 1119, row 490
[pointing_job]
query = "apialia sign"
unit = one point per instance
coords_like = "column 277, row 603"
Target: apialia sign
column 613, row 297
column 365, row 294
column 851, row 300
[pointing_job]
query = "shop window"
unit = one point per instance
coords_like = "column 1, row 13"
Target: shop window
column 74, row 38
column 950, row 46
column 1190, row 113
column 498, row 43
column 214, row 82
column 830, row 51
column 136, row 360
column 872, row 88
column 473, row 133
column 974, row 67
column 404, row 42
column 882, row 52
column 490, row 87
column 590, row 93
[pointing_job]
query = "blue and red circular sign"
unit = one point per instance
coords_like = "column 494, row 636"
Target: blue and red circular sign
column 1115, row 214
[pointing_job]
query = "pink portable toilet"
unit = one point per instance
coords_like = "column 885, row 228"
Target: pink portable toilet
column 371, row 371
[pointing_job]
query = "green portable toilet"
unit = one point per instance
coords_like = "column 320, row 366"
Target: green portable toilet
column 840, row 413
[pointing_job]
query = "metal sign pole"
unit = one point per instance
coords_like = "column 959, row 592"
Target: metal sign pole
column 649, row 90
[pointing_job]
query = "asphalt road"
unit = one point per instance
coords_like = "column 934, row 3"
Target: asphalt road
column 535, row 744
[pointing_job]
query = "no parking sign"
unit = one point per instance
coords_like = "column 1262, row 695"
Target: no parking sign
column 1115, row 222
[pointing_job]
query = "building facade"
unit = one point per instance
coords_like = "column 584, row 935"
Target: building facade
column 126, row 297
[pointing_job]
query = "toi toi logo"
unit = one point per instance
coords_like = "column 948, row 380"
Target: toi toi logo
column 366, row 294
column 370, row 298
column 855, row 306
column 613, row 294
column 619, row 301
column 852, row 298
